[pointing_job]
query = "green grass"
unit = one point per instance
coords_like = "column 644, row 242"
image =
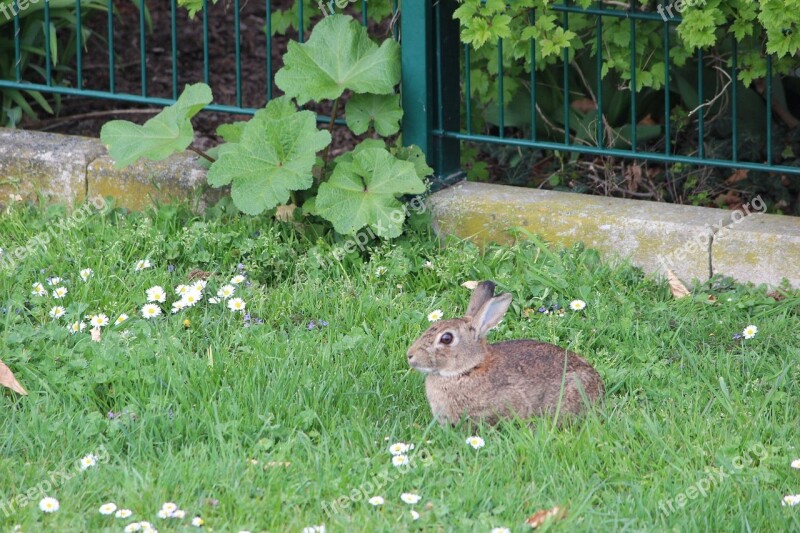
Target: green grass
column 684, row 400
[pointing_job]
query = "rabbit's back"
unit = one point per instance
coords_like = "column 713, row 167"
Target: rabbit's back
column 517, row 378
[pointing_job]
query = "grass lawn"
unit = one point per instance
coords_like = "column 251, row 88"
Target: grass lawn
column 285, row 420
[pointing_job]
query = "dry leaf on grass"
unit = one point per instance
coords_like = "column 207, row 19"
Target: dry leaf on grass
column 471, row 285
column 285, row 213
column 8, row 380
column 196, row 273
column 540, row 517
column 676, row 286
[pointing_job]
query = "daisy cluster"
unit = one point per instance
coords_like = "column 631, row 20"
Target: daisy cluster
column 186, row 296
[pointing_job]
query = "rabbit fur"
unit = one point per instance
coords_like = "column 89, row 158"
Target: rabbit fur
column 468, row 377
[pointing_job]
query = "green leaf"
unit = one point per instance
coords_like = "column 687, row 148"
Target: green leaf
column 275, row 155
column 231, row 133
column 338, row 56
column 163, row 135
column 414, row 154
column 364, row 193
column 382, row 109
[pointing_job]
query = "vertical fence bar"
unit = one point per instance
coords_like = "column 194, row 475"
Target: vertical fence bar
column 701, row 117
column 565, row 81
column 667, row 129
column 206, row 65
column 174, row 29
column 633, row 85
column 769, row 110
column 419, row 83
column 142, row 47
column 17, row 44
column 238, row 52
column 48, row 46
column 78, row 44
column 300, row 28
column 112, row 85
column 269, row 50
column 532, row 21
column 364, row 12
column 735, row 98
column 599, row 69
column 501, row 104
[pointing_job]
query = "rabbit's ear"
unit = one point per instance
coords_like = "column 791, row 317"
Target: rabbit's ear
column 491, row 314
column 480, row 295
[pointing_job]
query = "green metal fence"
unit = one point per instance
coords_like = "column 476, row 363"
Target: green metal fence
column 436, row 76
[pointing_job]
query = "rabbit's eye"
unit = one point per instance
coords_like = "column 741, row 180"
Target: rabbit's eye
column 446, row 338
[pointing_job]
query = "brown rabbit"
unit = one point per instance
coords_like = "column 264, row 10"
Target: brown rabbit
column 466, row 376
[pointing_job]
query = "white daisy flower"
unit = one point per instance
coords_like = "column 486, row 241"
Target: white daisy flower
column 226, row 291
column 142, row 264
column 120, row 319
column 123, row 513
column 236, row 280
column 314, row 529
column 98, row 321
column 435, row 315
column 428, row 264
column 213, row 300
column 191, row 297
column 414, row 515
column 198, row 522
column 76, row 327
column 60, row 292
column 236, row 304
column 53, row 281
column 38, row 290
column 376, row 500
column 57, row 311
column 156, row 294
column 88, row 461
column 476, row 442
column 86, row 273
column 400, row 448
column 179, row 514
column 791, row 499
column 108, row 508
column 163, row 513
column 749, row 332
column 132, row 527
column 49, row 505
column 177, row 306
column 150, row 311
column 410, row 498
column 500, row 530
column 200, row 285
column 381, row 270
column 577, row 305
column 182, row 289
column 169, row 507
column 796, row 464
column 400, row 460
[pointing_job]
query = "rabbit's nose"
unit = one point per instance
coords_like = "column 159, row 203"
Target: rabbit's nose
column 410, row 355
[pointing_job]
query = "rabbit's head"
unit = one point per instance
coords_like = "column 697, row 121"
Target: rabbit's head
column 451, row 347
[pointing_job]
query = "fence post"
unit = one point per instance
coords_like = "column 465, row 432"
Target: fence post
column 431, row 84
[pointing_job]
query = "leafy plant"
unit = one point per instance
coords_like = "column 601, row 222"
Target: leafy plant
column 273, row 158
column 64, row 41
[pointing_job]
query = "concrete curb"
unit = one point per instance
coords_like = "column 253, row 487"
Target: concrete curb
column 695, row 242
column 70, row 169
